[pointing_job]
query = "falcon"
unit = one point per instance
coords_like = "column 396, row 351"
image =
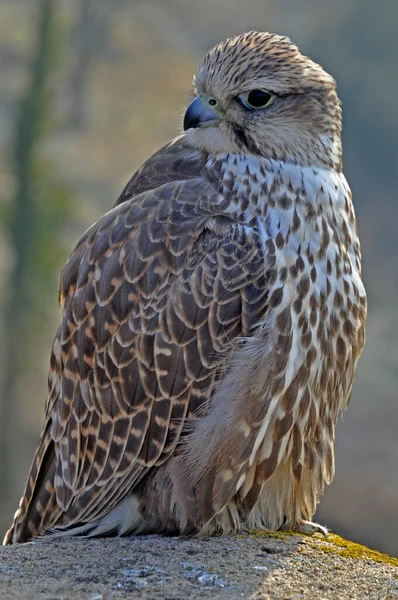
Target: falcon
column 212, row 320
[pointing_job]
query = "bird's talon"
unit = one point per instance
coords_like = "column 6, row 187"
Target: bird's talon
column 309, row 528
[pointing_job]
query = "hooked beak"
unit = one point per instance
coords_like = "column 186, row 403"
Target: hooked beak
column 199, row 115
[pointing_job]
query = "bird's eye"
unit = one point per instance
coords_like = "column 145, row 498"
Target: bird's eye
column 212, row 102
column 256, row 99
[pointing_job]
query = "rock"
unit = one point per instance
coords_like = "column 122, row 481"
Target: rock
column 256, row 566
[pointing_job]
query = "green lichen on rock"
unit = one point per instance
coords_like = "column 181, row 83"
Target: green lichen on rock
column 346, row 549
column 334, row 544
column 280, row 535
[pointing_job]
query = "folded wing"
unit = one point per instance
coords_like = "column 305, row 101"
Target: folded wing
column 155, row 297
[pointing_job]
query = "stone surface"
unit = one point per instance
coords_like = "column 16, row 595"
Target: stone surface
column 253, row 566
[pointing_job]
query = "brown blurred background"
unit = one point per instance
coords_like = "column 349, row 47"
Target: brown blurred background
column 89, row 89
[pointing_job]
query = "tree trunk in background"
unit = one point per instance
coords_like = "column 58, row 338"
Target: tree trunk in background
column 83, row 55
column 29, row 128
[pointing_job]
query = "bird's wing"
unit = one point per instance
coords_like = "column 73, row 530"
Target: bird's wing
column 154, row 297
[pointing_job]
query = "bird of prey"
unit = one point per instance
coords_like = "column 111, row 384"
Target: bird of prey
column 212, row 320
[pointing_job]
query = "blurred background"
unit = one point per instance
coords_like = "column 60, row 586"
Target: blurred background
column 89, row 89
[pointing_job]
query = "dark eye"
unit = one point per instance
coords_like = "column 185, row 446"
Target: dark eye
column 256, row 99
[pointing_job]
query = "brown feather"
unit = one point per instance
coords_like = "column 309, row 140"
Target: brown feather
column 212, row 321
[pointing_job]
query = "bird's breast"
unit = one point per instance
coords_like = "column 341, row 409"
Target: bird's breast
column 305, row 219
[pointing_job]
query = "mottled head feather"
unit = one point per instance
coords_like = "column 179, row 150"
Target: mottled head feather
column 257, row 57
column 303, row 123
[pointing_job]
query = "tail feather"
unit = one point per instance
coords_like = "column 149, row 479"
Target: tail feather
column 38, row 504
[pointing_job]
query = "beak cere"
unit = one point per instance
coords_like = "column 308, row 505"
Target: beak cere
column 199, row 115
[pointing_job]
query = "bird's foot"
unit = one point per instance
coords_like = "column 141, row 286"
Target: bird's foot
column 309, row 528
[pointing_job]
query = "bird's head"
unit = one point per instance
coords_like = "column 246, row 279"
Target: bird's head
column 256, row 93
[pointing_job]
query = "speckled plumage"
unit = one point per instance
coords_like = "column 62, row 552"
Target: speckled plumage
column 212, row 322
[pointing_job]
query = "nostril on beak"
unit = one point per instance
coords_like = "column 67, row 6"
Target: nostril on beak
column 199, row 115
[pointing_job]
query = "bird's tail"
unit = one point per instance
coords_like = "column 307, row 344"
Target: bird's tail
column 38, row 505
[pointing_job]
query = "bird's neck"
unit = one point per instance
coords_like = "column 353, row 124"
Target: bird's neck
column 292, row 199
column 256, row 185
